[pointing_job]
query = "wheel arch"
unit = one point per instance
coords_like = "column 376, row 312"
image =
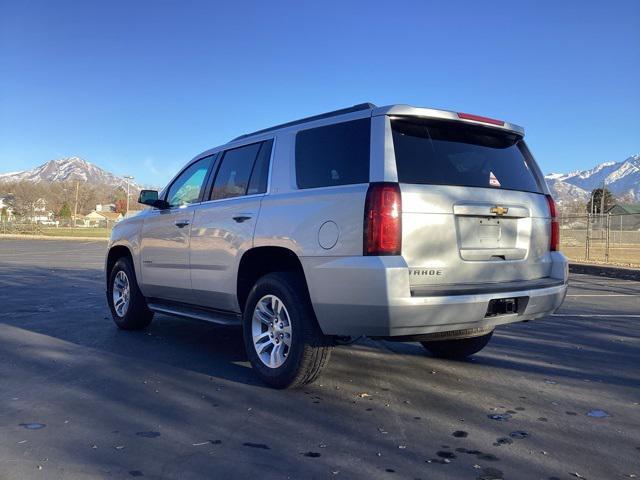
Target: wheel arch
column 259, row 261
column 116, row 252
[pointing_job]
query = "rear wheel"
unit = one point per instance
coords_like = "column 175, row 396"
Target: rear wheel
column 281, row 335
column 457, row 349
column 126, row 302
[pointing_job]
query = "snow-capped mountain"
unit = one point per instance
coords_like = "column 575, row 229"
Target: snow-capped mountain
column 564, row 193
column 67, row 169
column 621, row 178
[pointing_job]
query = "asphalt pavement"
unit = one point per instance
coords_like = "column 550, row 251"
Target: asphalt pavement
column 556, row 398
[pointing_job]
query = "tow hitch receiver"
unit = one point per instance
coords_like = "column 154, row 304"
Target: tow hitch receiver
column 502, row 306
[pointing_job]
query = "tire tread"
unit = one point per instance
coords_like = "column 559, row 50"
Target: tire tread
column 316, row 349
column 138, row 315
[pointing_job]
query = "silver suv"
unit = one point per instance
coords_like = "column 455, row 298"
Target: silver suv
column 402, row 223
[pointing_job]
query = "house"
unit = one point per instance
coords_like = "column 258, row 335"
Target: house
column 36, row 212
column 6, row 213
column 40, row 213
column 106, row 207
column 101, row 219
column 627, row 216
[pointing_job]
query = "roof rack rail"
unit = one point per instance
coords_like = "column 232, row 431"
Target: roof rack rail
column 356, row 108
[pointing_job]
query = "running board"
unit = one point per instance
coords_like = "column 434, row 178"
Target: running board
column 218, row 317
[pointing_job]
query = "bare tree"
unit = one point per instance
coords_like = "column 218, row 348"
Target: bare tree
column 26, row 198
column 87, row 198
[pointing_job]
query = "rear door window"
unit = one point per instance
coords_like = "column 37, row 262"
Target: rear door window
column 233, row 174
column 449, row 153
column 260, row 173
column 336, row 154
column 243, row 171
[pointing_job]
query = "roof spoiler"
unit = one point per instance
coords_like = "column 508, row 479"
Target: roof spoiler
column 432, row 113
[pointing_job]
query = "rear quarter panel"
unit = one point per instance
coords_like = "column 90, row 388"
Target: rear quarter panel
column 292, row 218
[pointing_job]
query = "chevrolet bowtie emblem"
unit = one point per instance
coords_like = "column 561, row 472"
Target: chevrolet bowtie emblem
column 498, row 210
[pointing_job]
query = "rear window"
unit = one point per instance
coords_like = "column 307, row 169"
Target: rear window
column 440, row 153
column 337, row 154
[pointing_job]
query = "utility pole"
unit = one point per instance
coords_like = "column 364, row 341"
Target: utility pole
column 606, row 248
column 127, row 177
column 602, row 197
column 75, row 207
column 587, row 237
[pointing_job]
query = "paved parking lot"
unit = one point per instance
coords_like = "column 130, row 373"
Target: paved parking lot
column 557, row 398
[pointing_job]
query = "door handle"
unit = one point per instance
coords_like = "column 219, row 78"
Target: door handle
column 242, row 218
column 182, row 223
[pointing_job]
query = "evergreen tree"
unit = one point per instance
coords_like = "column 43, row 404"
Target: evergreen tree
column 65, row 211
column 596, row 197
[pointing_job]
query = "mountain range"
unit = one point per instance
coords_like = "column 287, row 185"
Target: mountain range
column 68, row 169
column 620, row 178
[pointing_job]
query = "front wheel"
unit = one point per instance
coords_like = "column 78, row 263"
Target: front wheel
column 126, row 302
column 457, row 349
column 281, row 335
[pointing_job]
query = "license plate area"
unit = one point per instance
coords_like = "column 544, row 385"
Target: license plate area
column 489, row 231
column 505, row 306
column 486, row 232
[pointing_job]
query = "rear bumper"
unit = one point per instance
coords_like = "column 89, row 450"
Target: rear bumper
column 371, row 296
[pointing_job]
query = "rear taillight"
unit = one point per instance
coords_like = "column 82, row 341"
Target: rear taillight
column 383, row 220
column 554, row 244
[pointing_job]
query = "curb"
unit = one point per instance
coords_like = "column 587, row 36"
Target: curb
column 10, row 236
column 625, row 273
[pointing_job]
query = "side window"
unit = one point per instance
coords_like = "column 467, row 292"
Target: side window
column 337, row 154
column 187, row 187
column 233, row 174
column 260, row 174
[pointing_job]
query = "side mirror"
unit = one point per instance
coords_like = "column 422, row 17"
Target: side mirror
column 150, row 197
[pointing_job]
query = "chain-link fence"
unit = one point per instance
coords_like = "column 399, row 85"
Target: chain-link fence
column 607, row 238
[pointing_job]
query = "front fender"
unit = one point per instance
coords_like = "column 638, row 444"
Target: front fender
column 127, row 234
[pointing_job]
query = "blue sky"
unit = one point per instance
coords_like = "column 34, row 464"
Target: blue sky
column 141, row 87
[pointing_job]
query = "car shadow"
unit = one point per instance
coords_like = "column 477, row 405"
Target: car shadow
column 193, row 379
column 69, row 304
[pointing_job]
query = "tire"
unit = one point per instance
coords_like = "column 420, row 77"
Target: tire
column 308, row 350
column 457, row 349
column 135, row 315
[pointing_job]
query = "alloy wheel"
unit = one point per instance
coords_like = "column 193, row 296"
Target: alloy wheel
column 271, row 331
column 121, row 293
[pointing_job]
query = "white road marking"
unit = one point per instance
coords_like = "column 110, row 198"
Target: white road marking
column 605, row 295
column 620, row 315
